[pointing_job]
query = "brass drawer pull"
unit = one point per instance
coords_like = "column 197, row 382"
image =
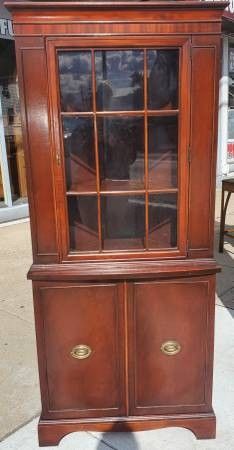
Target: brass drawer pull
column 81, row 351
column 170, row 348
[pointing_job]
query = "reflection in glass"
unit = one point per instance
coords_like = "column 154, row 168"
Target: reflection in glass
column 79, row 153
column 11, row 137
column 123, row 221
column 231, row 75
column 119, row 79
column 163, row 68
column 162, row 220
column 75, row 80
column 231, row 124
column 1, row 190
column 121, row 151
column 163, row 150
column 83, row 225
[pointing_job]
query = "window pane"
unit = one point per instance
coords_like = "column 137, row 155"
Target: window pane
column 83, row 223
column 79, row 153
column 231, row 124
column 11, row 133
column 123, row 221
column 163, row 79
column 75, row 80
column 163, row 151
column 121, row 152
column 231, row 76
column 162, row 220
column 1, row 190
column 119, row 80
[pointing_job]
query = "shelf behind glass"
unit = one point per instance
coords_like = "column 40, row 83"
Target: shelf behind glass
column 121, row 150
column 162, row 152
column 83, row 223
column 80, row 165
column 123, row 222
column 121, row 153
column 162, row 220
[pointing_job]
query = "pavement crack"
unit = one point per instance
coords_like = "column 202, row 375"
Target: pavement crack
column 15, row 315
column 23, row 424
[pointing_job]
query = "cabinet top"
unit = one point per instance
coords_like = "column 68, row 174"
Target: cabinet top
column 142, row 4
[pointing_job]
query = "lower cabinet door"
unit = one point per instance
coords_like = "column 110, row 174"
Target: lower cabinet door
column 80, row 332
column 171, row 346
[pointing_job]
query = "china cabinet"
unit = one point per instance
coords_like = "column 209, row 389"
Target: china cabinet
column 119, row 107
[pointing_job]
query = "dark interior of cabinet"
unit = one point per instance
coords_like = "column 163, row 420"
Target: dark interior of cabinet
column 119, row 114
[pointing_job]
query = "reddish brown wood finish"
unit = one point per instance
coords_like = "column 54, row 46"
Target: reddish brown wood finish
column 77, row 388
column 202, row 425
column 181, row 43
column 171, row 311
column 34, row 111
column 122, row 304
column 202, row 149
column 122, row 269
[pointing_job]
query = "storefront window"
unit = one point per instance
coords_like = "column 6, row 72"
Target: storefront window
column 12, row 175
column 230, row 144
column 231, row 125
column 1, row 191
column 231, row 76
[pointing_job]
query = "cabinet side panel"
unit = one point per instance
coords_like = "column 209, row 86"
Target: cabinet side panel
column 202, row 150
column 34, row 108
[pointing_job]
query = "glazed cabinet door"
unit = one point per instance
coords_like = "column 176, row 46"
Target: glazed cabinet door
column 171, row 346
column 80, row 332
column 120, row 113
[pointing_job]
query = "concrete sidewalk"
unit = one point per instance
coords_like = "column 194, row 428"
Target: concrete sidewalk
column 19, row 392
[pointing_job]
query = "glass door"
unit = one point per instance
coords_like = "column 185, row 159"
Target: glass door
column 13, row 190
column 120, row 113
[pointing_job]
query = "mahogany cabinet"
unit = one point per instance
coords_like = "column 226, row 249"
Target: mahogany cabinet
column 119, row 111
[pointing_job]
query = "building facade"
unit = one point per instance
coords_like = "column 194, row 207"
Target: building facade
column 225, row 162
column 13, row 190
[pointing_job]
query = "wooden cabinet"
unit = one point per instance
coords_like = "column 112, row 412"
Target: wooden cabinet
column 84, row 352
column 149, row 323
column 123, row 142
column 170, row 346
column 119, row 112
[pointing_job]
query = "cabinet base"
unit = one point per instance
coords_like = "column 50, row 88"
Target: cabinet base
column 50, row 432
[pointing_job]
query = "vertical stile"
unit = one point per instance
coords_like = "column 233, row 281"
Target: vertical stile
column 146, row 154
column 96, row 149
column 126, row 320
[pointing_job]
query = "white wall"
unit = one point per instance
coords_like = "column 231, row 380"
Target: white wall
column 222, row 166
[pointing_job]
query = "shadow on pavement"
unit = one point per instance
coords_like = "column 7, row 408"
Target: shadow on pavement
column 117, row 441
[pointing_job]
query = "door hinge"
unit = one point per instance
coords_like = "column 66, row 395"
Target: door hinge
column 191, row 52
column 189, row 155
column 58, row 159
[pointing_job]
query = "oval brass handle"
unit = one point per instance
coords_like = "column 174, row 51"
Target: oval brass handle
column 81, row 351
column 170, row 348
